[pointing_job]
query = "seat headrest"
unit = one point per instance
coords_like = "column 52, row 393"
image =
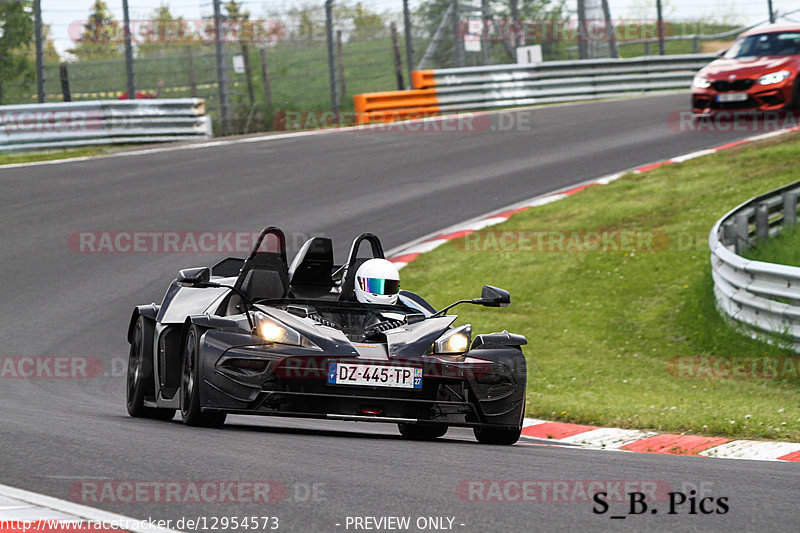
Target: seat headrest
column 313, row 265
column 262, row 284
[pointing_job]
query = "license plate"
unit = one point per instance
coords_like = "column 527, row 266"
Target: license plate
column 732, row 97
column 399, row 377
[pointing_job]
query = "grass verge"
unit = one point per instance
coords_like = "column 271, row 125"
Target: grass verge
column 605, row 327
column 50, row 155
column 783, row 249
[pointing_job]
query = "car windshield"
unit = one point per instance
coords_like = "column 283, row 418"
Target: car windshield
column 766, row 44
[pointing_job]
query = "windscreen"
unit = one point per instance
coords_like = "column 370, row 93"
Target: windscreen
column 353, row 318
column 766, row 44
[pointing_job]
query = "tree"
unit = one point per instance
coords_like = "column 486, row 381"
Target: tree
column 48, row 49
column 367, row 25
column 16, row 42
column 165, row 33
column 50, row 53
column 101, row 37
column 307, row 22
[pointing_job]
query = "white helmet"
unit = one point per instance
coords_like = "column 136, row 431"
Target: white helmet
column 377, row 282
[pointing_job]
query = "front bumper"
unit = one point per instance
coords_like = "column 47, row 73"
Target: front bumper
column 484, row 388
column 759, row 98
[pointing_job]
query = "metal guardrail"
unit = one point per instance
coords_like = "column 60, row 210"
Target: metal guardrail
column 475, row 88
column 763, row 297
column 97, row 122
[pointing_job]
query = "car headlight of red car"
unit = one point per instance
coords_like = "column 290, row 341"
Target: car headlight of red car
column 774, row 77
column 701, row 83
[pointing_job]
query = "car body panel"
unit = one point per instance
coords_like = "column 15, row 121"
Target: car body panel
column 241, row 372
column 740, row 75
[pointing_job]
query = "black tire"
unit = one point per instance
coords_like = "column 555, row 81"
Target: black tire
column 190, row 390
column 421, row 432
column 139, row 379
column 499, row 436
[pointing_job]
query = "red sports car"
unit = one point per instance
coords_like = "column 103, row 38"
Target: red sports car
column 759, row 72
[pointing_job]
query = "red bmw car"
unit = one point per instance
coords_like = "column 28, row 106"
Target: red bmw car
column 759, row 72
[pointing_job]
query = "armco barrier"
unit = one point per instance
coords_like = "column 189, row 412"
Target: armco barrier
column 96, row 122
column 763, row 297
column 474, row 88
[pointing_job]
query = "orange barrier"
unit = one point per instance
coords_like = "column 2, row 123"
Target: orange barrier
column 423, row 79
column 395, row 105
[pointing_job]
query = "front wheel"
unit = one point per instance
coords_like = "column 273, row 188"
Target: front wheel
column 422, row 432
column 139, row 379
column 499, row 436
column 191, row 414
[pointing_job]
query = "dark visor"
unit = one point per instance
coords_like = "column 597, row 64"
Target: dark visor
column 379, row 285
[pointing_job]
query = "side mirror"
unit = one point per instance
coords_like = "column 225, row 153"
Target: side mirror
column 194, row 277
column 494, row 297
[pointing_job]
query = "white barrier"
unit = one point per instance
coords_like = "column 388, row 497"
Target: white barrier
column 96, row 122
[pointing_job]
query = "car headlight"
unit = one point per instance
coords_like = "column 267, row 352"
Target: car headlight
column 701, row 83
column 455, row 341
column 273, row 331
column 774, row 77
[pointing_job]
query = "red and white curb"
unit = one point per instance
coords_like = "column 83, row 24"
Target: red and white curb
column 634, row 440
column 22, row 511
column 611, row 438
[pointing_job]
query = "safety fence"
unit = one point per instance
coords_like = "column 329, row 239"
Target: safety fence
column 474, row 88
column 96, row 122
column 763, row 297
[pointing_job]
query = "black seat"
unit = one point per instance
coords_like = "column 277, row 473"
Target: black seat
column 265, row 274
column 310, row 273
column 265, row 281
column 354, row 262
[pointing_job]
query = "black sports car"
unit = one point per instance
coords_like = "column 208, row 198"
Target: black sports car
column 259, row 337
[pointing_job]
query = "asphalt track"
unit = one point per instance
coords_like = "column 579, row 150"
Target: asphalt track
column 401, row 185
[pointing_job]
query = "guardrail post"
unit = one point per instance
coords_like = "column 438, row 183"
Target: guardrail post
column 458, row 45
column 398, row 63
column 696, row 44
column 331, row 59
column 408, row 38
column 789, row 208
column 38, row 38
column 265, row 78
column 762, row 222
column 222, row 76
column 728, row 233
column 63, row 72
column 741, row 224
column 131, row 79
